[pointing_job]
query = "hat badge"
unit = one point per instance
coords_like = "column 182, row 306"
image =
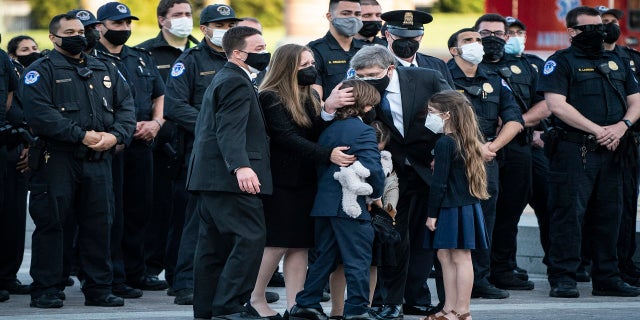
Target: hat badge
column 122, row 8
column 224, row 10
column 408, row 18
column 83, row 15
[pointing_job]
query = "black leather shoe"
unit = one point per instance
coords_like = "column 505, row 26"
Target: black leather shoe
column 363, row 316
column 564, row 290
column 184, row 297
column 171, row 292
column 420, row 310
column 489, row 292
column 68, row 282
column 124, row 291
column 277, row 280
column 238, row 316
column 47, row 300
column 61, row 295
column 391, row 312
column 511, row 282
column 630, row 279
column 583, row 276
column 16, row 287
column 300, row 313
column 4, row 295
column 271, row 296
column 149, row 282
column 326, row 296
column 107, row 300
column 521, row 274
column 616, row 289
column 253, row 311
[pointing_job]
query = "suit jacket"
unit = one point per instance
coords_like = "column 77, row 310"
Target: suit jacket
column 362, row 140
column 427, row 61
column 230, row 133
column 417, row 85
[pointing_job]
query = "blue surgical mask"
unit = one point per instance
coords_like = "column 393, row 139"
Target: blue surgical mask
column 515, row 45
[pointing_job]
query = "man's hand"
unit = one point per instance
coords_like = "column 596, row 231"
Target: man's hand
column 340, row 158
column 537, row 140
column 487, row 154
column 431, row 223
column 107, row 142
column 338, row 99
column 610, row 136
column 91, row 138
column 248, row 180
column 23, row 162
column 146, row 130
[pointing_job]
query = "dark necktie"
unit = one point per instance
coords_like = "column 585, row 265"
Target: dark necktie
column 385, row 106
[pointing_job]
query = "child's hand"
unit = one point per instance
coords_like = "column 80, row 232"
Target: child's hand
column 431, row 223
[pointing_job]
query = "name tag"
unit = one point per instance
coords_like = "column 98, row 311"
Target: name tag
column 164, row 66
column 337, row 61
column 206, row 73
column 586, row 69
column 63, row 80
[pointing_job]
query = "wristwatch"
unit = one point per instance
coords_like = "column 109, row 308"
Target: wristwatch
column 627, row 122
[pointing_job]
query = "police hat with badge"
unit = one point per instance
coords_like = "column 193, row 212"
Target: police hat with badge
column 614, row 12
column 217, row 12
column 85, row 16
column 511, row 21
column 115, row 11
column 406, row 23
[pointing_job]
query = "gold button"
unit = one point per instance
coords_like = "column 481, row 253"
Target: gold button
column 91, row 86
column 62, row 109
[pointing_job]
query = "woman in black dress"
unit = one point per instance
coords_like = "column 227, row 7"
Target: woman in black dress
column 292, row 111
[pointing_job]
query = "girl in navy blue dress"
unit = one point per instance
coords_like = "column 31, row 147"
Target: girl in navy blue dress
column 455, row 220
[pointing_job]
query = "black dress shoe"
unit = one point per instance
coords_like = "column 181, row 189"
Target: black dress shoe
column 238, row 316
column 363, row 316
column 301, row 313
column 61, row 295
column 107, row 300
column 630, row 279
column 16, row 287
column 583, row 276
column 564, row 290
column 68, row 282
column 124, row 291
column 277, row 280
column 489, row 292
column 511, row 282
column 521, row 274
column 616, row 289
column 4, row 295
column 150, row 283
column 184, row 297
column 391, row 312
column 171, row 292
column 47, row 300
column 419, row 310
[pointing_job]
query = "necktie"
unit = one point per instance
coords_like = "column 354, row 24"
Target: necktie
column 385, row 106
column 254, row 83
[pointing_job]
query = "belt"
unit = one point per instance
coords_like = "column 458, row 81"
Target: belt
column 79, row 151
column 587, row 140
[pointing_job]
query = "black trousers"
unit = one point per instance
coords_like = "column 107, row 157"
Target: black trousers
column 589, row 192
column 117, row 230
column 539, row 197
column 63, row 186
column 183, row 277
column 481, row 258
column 627, row 238
column 13, row 214
column 229, row 251
column 515, row 187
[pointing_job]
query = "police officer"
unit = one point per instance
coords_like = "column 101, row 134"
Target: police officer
column 161, row 241
column 491, row 99
column 147, row 88
column 515, row 159
column 594, row 99
column 190, row 77
column 405, row 29
column 371, row 23
column 81, row 108
column 334, row 51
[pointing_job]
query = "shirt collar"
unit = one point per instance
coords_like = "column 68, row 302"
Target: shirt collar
column 404, row 63
column 394, row 83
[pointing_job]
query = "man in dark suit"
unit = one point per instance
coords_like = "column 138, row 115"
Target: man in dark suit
column 229, row 169
column 404, row 92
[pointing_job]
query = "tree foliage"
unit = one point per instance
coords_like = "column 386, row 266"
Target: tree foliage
column 43, row 10
column 459, row 6
column 269, row 12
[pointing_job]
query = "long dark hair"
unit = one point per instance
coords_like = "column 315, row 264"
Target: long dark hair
column 364, row 95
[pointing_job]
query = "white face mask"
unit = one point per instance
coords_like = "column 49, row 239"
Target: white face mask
column 216, row 36
column 472, row 52
column 434, row 123
column 515, row 45
column 181, row 27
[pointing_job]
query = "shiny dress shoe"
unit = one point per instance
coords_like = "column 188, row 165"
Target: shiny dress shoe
column 277, row 280
column 171, row 292
column 615, row 289
column 253, row 311
column 521, row 274
column 124, row 291
column 61, row 295
column 364, row 316
column 16, row 287
column 47, row 300
column 489, row 292
column 391, row 312
column 511, row 282
column 149, row 282
column 238, row 316
column 420, row 310
column 630, row 279
column 271, row 296
column 564, row 290
column 4, row 295
column 106, row 300
column 583, row 276
column 301, row 313
column 326, row 296
column 184, row 297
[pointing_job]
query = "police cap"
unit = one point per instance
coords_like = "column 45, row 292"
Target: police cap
column 85, row 16
column 511, row 21
column 406, row 23
column 115, row 11
column 615, row 12
column 217, row 12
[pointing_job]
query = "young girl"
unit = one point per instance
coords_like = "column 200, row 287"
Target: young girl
column 455, row 219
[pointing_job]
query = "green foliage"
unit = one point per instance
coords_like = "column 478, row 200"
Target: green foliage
column 43, row 10
column 459, row 6
column 270, row 13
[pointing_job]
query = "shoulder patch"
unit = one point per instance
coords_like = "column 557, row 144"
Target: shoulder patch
column 505, row 85
column 351, row 73
column 549, row 67
column 31, row 77
column 177, row 70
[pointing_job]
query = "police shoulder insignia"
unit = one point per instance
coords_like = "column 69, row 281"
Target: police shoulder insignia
column 535, row 67
column 177, row 70
column 549, row 67
column 613, row 65
column 31, row 77
column 487, row 87
column 351, row 73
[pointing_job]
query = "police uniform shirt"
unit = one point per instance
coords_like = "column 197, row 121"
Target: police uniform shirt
column 66, row 98
column 141, row 73
column 8, row 82
column 524, row 77
column 631, row 58
column 571, row 73
column 376, row 40
column 490, row 97
column 190, row 76
column 332, row 62
column 165, row 54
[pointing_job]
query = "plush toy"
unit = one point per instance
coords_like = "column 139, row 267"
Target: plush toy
column 352, row 179
column 387, row 163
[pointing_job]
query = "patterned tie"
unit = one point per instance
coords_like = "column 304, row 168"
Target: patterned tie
column 254, row 83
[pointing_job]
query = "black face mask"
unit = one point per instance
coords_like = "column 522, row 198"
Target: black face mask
column 259, row 61
column 370, row 28
column 307, row 76
column 73, row 45
column 117, row 37
column 370, row 116
column 612, row 31
column 493, row 48
column 380, row 84
column 92, row 36
column 27, row 60
column 405, row 47
column 590, row 43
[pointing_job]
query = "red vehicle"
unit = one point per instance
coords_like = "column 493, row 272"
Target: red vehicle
column 545, row 20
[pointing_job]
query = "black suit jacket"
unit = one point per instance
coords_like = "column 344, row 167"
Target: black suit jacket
column 417, row 85
column 230, row 133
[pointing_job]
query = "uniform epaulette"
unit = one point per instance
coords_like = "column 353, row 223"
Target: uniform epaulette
column 106, row 54
column 634, row 51
column 141, row 50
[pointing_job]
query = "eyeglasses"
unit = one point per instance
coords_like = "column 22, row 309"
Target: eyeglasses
column 518, row 33
column 486, row 33
column 383, row 73
column 589, row 27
